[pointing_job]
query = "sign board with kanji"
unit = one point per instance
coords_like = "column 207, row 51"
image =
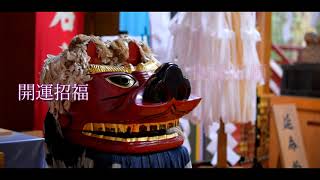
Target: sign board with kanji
column 289, row 135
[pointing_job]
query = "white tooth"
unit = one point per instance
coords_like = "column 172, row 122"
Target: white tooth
column 109, row 138
column 85, row 133
column 122, row 128
column 162, row 126
column 113, row 126
column 168, row 124
column 142, row 139
column 98, row 127
column 125, row 128
column 96, row 136
column 164, row 137
column 156, row 138
column 154, row 125
column 128, row 127
column 135, row 128
column 172, row 135
column 88, row 127
column 107, row 126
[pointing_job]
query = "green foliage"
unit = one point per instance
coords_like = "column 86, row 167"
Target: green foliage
column 301, row 24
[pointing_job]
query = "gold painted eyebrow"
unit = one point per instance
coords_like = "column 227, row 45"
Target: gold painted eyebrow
column 148, row 66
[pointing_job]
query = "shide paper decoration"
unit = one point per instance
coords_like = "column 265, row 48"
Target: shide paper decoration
column 217, row 51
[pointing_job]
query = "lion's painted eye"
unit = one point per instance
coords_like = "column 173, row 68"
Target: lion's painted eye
column 123, row 81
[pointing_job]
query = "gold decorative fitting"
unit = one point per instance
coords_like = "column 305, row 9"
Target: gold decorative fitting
column 122, row 128
column 98, row 129
column 140, row 139
column 148, row 66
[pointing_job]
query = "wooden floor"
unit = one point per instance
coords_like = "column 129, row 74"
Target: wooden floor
column 1, row 160
column 34, row 133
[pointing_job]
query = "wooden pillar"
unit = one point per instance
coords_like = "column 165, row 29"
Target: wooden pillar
column 102, row 23
column 2, row 160
column 17, row 67
column 222, row 147
column 264, row 47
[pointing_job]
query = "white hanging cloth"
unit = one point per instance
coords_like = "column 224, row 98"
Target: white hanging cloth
column 159, row 23
column 315, row 17
column 286, row 30
column 216, row 51
column 184, row 123
column 252, row 70
column 195, row 41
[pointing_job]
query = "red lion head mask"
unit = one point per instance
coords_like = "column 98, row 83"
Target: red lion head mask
column 134, row 102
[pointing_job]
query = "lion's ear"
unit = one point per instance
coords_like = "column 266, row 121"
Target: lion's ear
column 92, row 52
column 134, row 54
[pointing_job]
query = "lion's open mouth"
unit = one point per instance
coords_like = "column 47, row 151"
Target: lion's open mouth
column 132, row 132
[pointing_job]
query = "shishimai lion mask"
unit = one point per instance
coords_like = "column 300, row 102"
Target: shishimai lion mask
column 134, row 102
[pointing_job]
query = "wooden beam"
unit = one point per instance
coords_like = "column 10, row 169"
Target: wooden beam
column 198, row 143
column 222, row 147
column 274, row 146
column 2, row 161
column 102, row 23
column 264, row 20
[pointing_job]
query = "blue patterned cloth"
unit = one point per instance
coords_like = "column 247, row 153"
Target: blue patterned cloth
column 23, row 151
column 175, row 158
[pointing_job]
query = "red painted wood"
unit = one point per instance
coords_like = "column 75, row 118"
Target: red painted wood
column 280, row 53
column 17, row 66
column 48, row 40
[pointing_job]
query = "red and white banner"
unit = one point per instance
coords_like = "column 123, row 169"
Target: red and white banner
column 54, row 31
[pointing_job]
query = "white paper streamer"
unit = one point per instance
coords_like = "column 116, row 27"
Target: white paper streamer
column 184, row 123
column 232, row 156
column 204, row 45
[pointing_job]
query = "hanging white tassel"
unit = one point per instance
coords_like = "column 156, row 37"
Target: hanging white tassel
column 232, row 156
column 213, row 136
column 184, row 123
